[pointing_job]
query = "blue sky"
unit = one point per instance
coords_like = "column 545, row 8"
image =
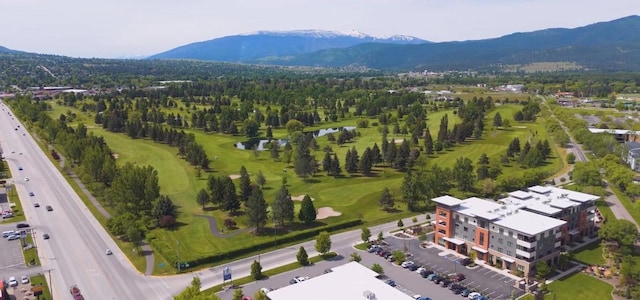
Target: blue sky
column 126, row 28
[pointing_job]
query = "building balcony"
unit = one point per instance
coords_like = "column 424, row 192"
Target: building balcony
column 558, row 244
column 526, row 244
column 558, row 234
column 525, row 253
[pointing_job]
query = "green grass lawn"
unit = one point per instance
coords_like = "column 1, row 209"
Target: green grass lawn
column 356, row 197
column 40, row 280
column 577, row 286
column 31, row 254
column 591, row 254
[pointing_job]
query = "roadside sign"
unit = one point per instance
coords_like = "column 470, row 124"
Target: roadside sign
column 226, row 273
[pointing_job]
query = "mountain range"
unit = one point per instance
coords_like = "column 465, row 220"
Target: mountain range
column 265, row 44
column 612, row 45
column 604, row 46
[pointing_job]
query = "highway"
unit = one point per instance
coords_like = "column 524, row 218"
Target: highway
column 75, row 253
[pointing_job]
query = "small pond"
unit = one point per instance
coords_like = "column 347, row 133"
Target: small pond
column 261, row 144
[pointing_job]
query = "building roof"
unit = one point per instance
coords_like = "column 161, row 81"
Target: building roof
column 447, row 200
column 543, row 208
column 351, row 281
column 632, row 146
column 508, row 215
column 528, row 222
column 540, row 189
column 520, row 194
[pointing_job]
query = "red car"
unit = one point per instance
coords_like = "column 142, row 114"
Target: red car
column 458, row 277
column 246, row 298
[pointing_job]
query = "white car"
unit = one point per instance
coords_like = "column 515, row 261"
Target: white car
column 108, row 252
column 13, row 281
column 474, row 295
column 301, row 278
column 265, row 290
column 407, row 264
column 420, row 270
column 24, row 279
column 26, row 179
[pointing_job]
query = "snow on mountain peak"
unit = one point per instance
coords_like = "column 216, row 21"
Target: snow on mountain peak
column 315, row 33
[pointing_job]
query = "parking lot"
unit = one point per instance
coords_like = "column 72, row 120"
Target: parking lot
column 11, row 250
column 490, row 283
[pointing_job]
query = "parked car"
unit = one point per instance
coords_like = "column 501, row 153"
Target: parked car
column 438, row 279
column 412, row 267
column 391, row 258
column 420, row 270
column 265, row 290
column 407, row 263
column 426, row 273
column 108, row 252
column 373, row 248
column 465, row 292
column 456, row 288
column 24, row 279
column 22, row 225
column 13, row 237
column 474, row 295
column 432, row 276
column 13, row 281
column 465, row 261
column 327, row 271
column 458, row 277
column 445, row 282
column 45, row 236
column 20, row 169
column 49, row 208
column 390, row 282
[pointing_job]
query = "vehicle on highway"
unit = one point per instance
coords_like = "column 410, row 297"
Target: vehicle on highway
column 26, row 179
column 20, row 169
column 24, row 279
column 45, row 236
column 108, row 252
column 49, row 208
column 75, row 293
column 13, row 281
column 36, row 204
column 22, row 225
column 31, row 194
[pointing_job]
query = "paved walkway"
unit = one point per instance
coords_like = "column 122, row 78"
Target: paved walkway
column 213, row 227
column 146, row 249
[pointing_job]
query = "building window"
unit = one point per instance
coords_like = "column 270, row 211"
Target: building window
column 508, row 252
column 509, row 244
column 550, row 233
column 481, row 238
column 465, row 229
column 442, row 213
column 520, row 268
column 510, row 233
column 501, row 230
column 499, row 249
column 499, row 241
column 466, row 220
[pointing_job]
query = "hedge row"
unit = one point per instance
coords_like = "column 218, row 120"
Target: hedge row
column 169, row 254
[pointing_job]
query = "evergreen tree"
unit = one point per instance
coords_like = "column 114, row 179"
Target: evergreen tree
column 402, row 157
column 230, row 202
column 428, row 143
column 335, row 166
column 366, row 162
column 256, row 208
column 376, row 156
column 282, row 209
column 463, row 174
column 386, row 199
column 497, row 120
column 261, row 179
column 307, row 212
column 202, row 198
column 302, row 257
column 245, row 184
column 275, row 151
column 351, row 161
column 326, row 163
column 390, row 156
column 304, row 164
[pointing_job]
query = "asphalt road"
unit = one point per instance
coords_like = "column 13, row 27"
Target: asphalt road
column 75, row 254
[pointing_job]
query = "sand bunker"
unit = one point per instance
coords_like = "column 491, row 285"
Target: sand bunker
column 115, row 155
column 300, row 198
column 234, row 176
column 398, row 141
column 326, row 212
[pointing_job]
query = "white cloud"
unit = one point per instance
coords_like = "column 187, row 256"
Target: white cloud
column 114, row 28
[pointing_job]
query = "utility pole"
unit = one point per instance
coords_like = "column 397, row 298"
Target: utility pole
column 178, row 254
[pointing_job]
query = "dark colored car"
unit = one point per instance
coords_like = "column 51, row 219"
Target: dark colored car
column 45, row 236
column 390, row 282
column 465, row 261
column 413, row 267
column 456, row 288
column 49, row 208
column 292, row 281
column 426, row 273
column 458, row 277
column 328, row 271
column 31, row 194
column 446, row 282
column 437, row 279
column 22, row 225
column 465, row 292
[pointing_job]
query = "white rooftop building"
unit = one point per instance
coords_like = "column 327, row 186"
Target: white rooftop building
column 351, row 281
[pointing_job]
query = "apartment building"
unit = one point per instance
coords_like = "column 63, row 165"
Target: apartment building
column 518, row 231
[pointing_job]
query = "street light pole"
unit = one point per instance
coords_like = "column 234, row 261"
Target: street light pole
column 178, row 254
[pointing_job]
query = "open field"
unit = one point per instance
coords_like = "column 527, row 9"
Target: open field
column 577, row 286
column 355, row 197
column 591, row 254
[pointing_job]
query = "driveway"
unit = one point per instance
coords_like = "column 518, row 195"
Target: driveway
column 488, row 282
